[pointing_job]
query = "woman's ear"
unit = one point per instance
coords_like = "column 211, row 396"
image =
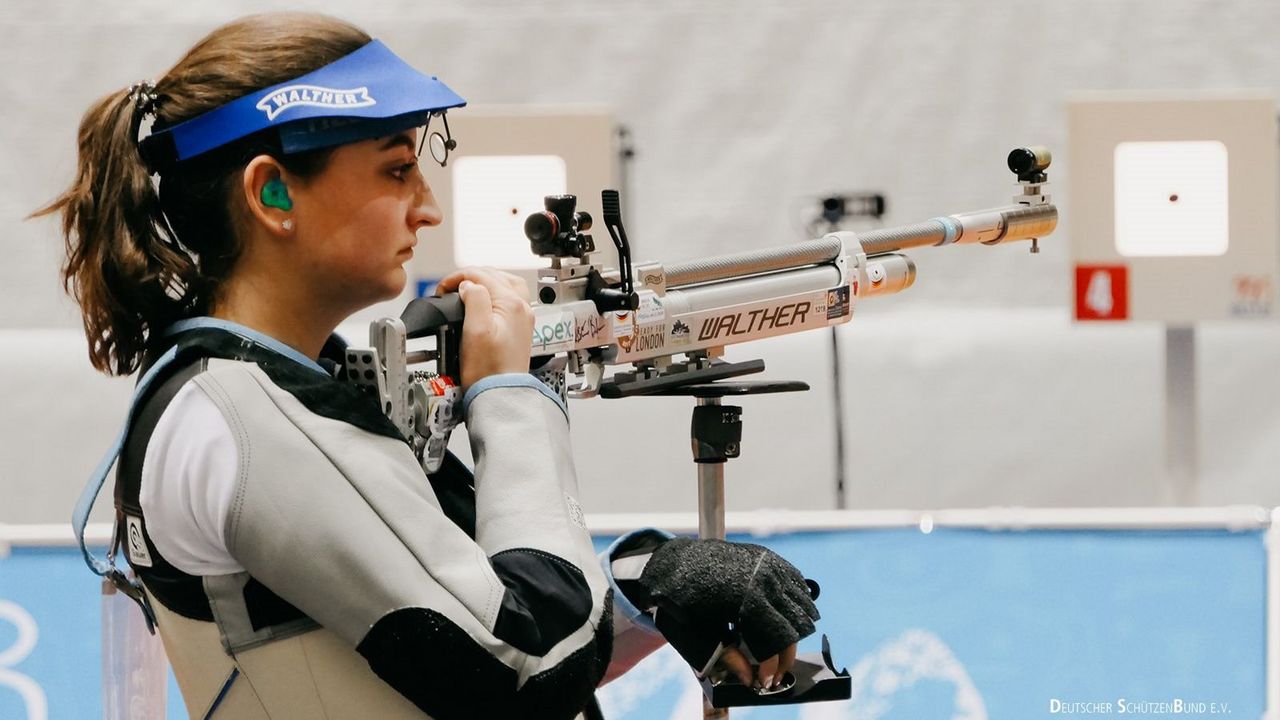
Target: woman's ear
column 266, row 194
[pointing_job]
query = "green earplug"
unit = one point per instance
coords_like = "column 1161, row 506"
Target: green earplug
column 276, row 195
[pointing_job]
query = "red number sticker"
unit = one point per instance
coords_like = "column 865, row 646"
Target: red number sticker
column 1102, row 292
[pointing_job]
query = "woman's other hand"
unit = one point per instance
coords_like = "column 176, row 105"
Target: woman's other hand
column 702, row 588
column 768, row 675
column 498, row 326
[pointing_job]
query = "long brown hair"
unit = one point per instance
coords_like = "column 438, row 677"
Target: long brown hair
column 138, row 260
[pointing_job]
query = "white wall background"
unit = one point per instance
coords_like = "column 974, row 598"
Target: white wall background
column 971, row 389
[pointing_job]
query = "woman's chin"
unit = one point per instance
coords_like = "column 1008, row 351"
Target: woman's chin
column 387, row 287
column 396, row 281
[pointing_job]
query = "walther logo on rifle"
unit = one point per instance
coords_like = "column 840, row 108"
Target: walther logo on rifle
column 742, row 323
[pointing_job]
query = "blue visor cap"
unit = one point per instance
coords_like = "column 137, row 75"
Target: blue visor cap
column 366, row 94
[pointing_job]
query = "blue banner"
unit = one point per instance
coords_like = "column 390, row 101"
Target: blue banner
column 954, row 624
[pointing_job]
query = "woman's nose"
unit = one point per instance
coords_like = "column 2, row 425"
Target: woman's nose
column 424, row 211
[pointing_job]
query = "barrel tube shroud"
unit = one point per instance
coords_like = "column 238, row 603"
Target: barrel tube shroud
column 757, row 274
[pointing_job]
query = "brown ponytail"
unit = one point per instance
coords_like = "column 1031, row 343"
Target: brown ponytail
column 137, row 260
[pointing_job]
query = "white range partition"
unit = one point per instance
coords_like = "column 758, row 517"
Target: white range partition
column 1174, row 205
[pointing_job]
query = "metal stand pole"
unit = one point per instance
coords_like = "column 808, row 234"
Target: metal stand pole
column 838, row 402
column 710, row 491
column 716, row 438
column 1181, row 422
column 710, row 465
column 711, row 501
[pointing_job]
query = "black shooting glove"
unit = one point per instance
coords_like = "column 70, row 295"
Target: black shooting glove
column 709, row 592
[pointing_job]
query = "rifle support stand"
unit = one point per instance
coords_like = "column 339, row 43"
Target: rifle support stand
column 716, row 433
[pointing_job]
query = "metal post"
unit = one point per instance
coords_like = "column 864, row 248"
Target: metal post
column 1181, row 422
column 711, row 525
column 838, row 401
column 710, row 492
column 711, row 500
column 711, row 486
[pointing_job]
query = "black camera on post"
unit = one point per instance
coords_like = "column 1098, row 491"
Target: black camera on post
column 559, row 231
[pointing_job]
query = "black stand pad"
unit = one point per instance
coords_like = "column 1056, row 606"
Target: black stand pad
column 629, row 384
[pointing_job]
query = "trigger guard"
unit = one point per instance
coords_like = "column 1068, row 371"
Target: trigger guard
column 435, row 451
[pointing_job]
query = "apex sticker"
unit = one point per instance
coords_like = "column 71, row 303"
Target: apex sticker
column 552, row 336
column 313, row 96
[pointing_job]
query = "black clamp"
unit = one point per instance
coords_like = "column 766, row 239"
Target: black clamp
column 717, row 433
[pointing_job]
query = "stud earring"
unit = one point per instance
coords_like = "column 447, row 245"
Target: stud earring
column 287, row 224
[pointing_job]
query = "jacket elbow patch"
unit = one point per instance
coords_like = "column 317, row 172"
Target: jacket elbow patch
column 434, row 663
column 437, row 666
column 547, row 599
column 562, row 691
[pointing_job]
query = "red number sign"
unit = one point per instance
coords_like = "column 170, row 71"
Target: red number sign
column 1102, row 292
